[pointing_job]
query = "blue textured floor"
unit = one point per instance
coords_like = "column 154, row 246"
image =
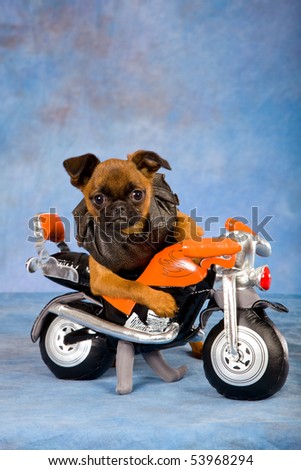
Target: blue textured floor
column 39, row 411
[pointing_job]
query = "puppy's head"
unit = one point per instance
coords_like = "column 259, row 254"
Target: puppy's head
column 117, row 192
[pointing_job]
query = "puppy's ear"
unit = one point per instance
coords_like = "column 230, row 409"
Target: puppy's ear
column 80, row 169
column 148, row 162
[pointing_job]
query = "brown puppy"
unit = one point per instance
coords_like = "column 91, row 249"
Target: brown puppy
column 128, row 214
column 116, row 223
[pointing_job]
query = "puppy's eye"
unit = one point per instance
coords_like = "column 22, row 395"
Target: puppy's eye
column 98, row 199
column 137, row 195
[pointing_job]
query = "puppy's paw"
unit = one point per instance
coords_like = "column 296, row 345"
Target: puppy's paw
column 164, row 305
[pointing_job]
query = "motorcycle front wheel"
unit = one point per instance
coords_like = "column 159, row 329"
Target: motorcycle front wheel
column 262, row 367
column 85, row 360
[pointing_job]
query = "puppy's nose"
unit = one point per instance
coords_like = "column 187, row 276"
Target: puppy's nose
column 119, row 210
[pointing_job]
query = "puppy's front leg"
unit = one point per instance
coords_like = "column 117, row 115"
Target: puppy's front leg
column 105, row 282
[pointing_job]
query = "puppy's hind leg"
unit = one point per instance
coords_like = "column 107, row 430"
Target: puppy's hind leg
column 156, row 361
column 124, row 367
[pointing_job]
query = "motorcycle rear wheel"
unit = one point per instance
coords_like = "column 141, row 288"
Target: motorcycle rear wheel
column 262, row 368
column 85, row 360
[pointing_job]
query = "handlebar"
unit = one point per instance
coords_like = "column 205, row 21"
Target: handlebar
column 210, row 247
column 263, row 247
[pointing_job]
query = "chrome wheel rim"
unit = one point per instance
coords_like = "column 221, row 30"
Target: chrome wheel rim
column 61, row 354
column 251, row 364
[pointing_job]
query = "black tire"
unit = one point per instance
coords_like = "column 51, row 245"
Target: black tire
column 85, row 360
column 263, row 365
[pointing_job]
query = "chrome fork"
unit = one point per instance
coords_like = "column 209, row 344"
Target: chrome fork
column 230, row 313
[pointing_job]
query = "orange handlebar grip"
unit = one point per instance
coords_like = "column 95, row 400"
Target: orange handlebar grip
column 52, row 227
column 210, row 247
column 233, row 224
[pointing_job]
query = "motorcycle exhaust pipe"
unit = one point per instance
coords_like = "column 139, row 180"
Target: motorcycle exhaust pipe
column 111, row 329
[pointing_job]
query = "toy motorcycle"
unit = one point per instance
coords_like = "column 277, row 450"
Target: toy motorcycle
column 245, row 356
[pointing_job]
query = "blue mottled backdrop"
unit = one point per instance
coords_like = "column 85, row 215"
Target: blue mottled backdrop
column 211, row 85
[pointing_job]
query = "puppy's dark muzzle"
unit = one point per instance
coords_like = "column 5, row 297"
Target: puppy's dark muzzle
column 120, row 211
column 120, row 215
column 123, row 222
